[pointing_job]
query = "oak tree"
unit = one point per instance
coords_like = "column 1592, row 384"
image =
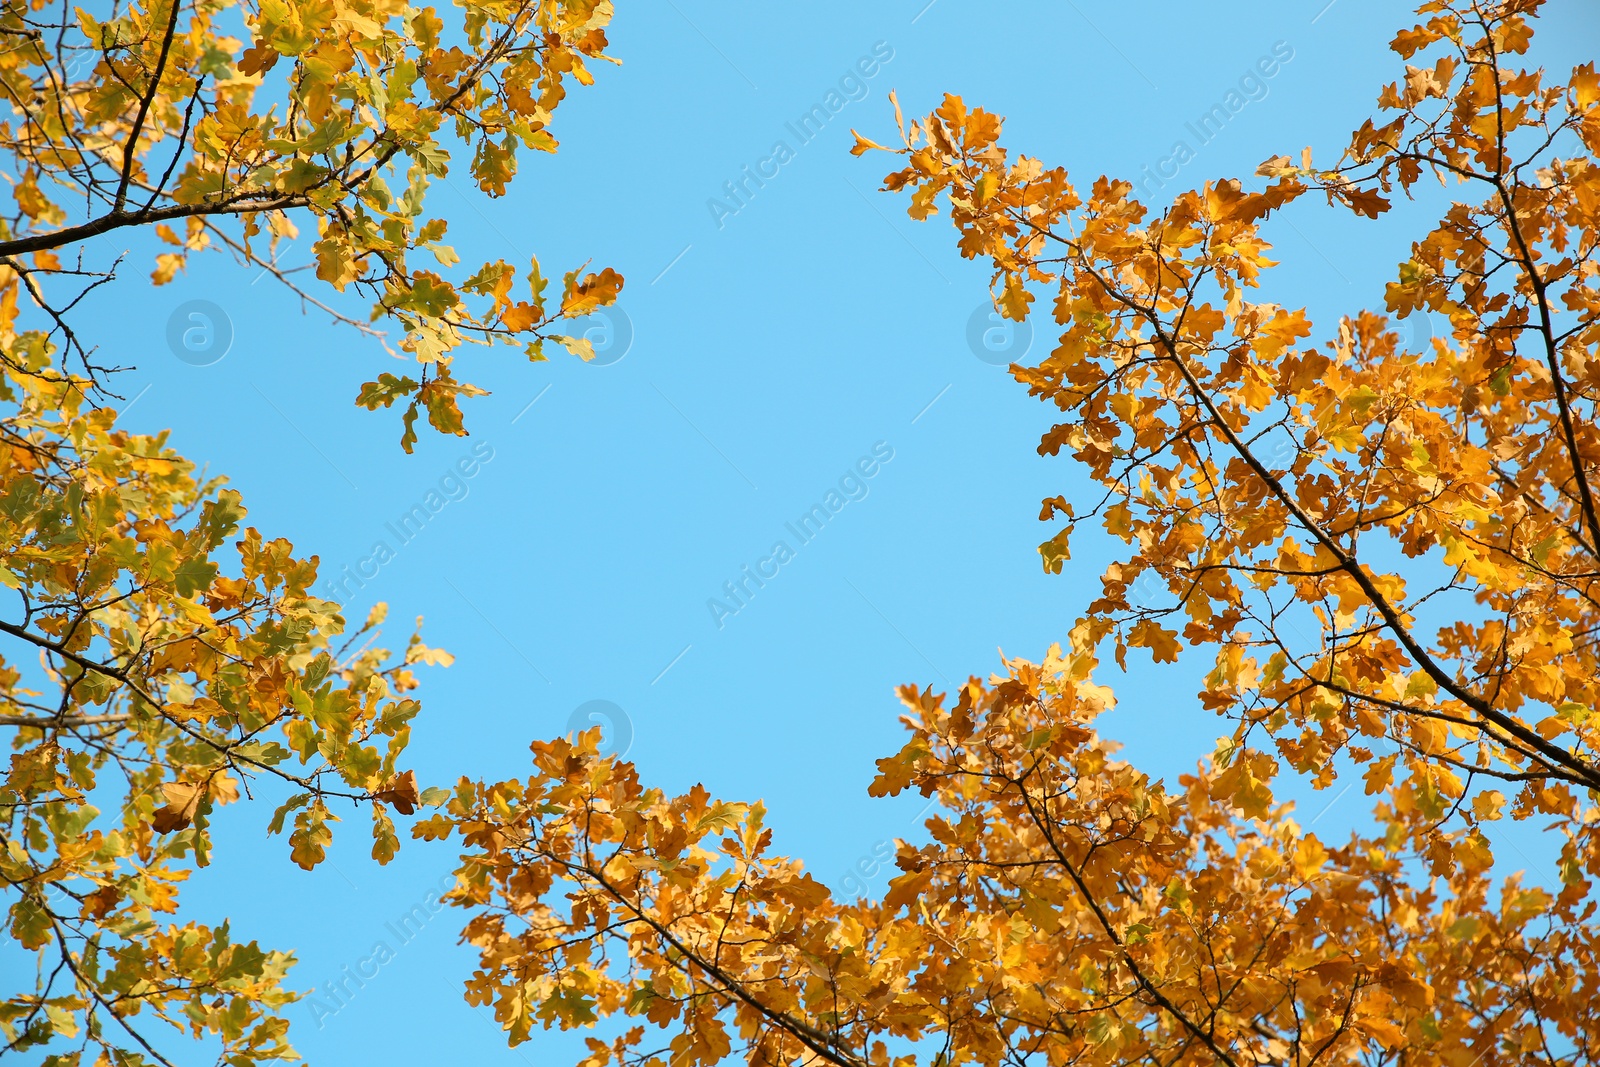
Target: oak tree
column 170, row 670
column 1387, row 556
column 162, row 658
column 232, row 125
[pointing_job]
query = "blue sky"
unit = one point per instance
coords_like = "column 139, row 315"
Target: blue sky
column 782, row 345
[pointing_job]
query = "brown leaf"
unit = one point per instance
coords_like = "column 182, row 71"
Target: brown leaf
column 98, row 905
column 258, row 59
column 183, row 800
column 400, row 792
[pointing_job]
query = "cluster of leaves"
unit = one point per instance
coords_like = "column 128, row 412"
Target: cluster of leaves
column 1068, row 910
column 1428, row 517
column 175, row 674
column 1353, row 489
column 338, row 115
column 172, row 676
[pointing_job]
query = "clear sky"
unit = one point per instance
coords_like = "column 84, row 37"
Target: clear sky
column 803, row 339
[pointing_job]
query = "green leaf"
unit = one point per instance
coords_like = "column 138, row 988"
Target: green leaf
column 194, row 575
column 385, row 391
column 30, row 923
column 299, row 800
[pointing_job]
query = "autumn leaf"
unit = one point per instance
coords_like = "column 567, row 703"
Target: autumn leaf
column 520, row 317
column 258, row 59
column 385, row 391
column 1162, row 643
column 863, row 145
column 98, row 904
column 311, row 836
column 182, row 803
column 581, row 347
column 400, row 792
column 594, row 291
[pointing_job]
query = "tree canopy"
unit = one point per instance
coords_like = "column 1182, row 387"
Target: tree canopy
column 1386, row 555
column 181, row 656
column 228, row 125
column 178, row 671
